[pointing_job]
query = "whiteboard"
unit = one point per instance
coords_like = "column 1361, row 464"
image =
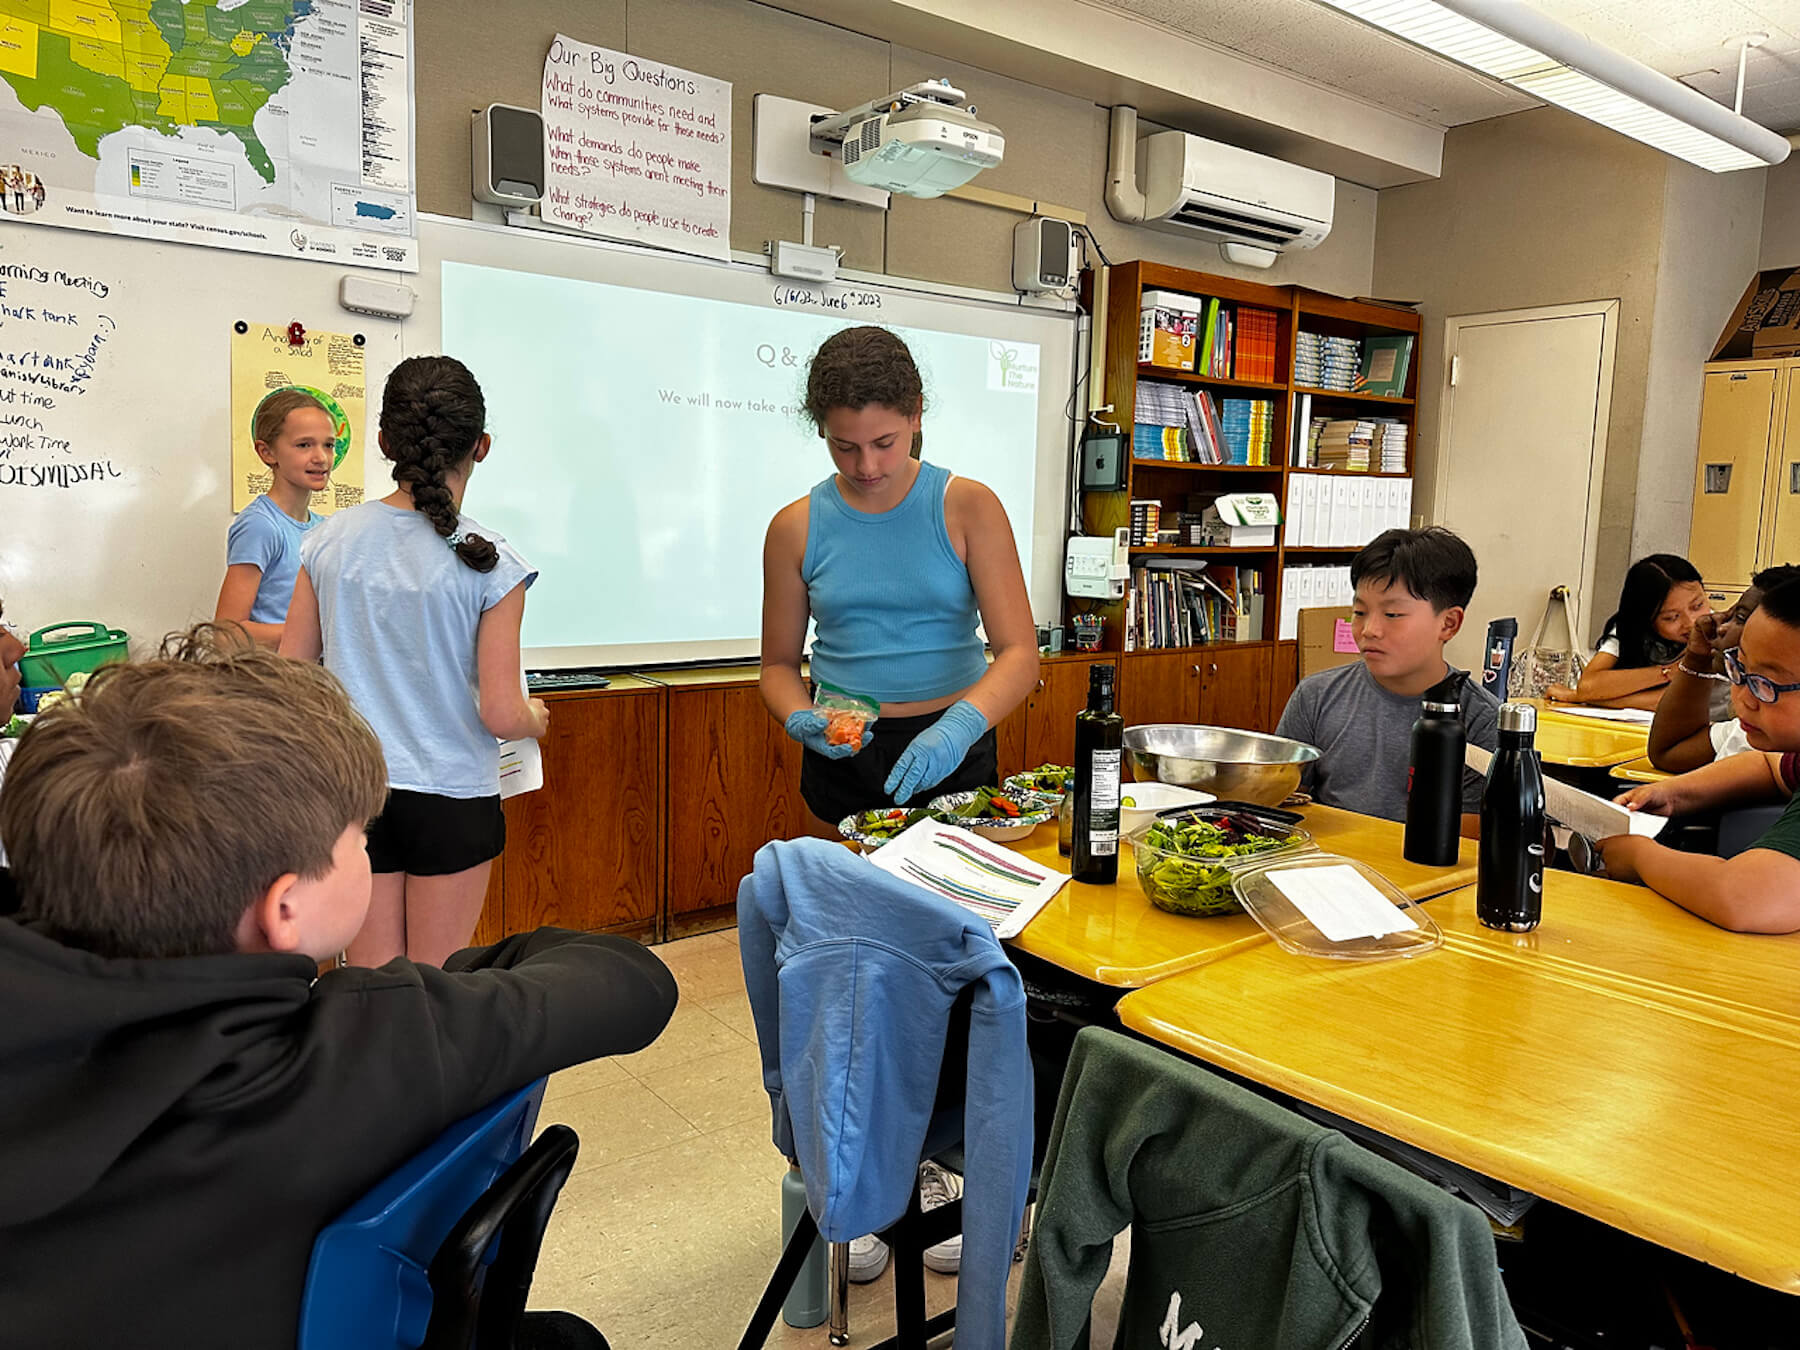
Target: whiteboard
column 115, row 411
column 646, row 421
column 115, row 407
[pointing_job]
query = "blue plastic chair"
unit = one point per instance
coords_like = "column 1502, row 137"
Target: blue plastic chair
column 368, row 1287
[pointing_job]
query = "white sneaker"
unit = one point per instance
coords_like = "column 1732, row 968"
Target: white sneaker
column 939, row 1186
column 868, row 1258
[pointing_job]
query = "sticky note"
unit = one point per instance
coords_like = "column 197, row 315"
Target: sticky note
column 1343, row 640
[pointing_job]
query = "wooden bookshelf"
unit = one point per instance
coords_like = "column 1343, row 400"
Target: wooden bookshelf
column 1297, row 310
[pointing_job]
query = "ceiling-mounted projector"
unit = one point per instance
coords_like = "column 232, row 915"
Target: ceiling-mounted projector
column 923, row 150
column 919, row 141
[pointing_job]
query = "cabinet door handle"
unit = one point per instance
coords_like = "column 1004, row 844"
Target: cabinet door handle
column 1213, row 668
column 1040, row 686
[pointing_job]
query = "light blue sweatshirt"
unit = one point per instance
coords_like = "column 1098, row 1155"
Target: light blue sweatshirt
column 851, row 974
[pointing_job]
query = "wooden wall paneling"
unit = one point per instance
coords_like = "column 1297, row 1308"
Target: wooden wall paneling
column 586, row 851
column 734, row 784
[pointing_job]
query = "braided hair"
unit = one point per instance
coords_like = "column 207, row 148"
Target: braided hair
column 432, row 413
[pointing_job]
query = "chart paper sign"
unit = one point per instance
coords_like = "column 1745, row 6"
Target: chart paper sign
column 330, row 367
column 636, row 149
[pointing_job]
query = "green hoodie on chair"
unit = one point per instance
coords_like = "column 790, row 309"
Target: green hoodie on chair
column 1251, row 1227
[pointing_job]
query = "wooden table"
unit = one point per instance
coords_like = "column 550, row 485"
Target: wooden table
column 1622, row 1061
column 1586, row 742
column 1632, row 942
column 1114, row 936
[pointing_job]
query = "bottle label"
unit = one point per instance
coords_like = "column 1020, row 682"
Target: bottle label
column 1103, row 804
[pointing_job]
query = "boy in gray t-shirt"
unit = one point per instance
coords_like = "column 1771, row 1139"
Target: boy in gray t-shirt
column 1411, row 590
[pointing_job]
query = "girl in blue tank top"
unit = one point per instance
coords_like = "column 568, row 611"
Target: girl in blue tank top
column 895, row 562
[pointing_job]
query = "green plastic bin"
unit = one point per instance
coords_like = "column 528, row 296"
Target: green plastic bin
column 63, row 649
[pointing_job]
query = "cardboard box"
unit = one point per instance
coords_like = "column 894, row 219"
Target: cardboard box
column 1241, row 520
column 1766, row 322
column 1324, row 638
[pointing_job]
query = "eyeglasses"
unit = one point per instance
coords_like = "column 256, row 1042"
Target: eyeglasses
column 1761, row 687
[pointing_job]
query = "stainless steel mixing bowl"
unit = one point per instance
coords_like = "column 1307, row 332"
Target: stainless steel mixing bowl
column 1245, row 766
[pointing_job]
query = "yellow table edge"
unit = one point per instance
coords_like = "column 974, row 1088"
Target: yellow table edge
column 1490, row 1158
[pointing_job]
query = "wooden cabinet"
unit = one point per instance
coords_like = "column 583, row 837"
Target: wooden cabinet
column 734, row 784
column 1062, row 691
column 1222, row 686
column 1234, row 686
column 1159, row 687
column 586, row 851
column 1284, row 677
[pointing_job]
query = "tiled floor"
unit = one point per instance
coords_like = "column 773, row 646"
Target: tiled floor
column 670, row 1225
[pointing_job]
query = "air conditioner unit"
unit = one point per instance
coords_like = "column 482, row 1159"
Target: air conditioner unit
column 1255, row 206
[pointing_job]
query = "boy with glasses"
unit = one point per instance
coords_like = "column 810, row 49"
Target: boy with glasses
column 1758, row 891
column 1694, row 722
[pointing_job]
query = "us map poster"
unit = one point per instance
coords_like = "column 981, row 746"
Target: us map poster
column 270, row 126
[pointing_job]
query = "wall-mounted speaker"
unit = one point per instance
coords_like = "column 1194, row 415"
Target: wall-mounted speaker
column 507, row 149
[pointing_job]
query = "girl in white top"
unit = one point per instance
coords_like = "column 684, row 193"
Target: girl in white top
column 417, row 610
column 1658, row 604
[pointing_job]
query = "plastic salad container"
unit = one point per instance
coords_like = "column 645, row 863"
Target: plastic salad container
column 1322, row 904
column 1181, row 855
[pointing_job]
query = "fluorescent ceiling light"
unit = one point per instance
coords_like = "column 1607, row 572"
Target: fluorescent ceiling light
column 1512, row 42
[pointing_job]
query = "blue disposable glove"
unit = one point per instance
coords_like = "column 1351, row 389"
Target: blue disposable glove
column 936, row 751
column 807, row 725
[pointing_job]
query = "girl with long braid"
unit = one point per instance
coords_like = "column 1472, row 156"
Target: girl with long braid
column 417, row 609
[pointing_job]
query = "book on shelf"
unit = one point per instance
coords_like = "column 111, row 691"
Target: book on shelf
column 1160, row 443
column 1190, row 602
column 1323, row 361
column 1385, row 361
column 1207, row 336
column 1254, row 356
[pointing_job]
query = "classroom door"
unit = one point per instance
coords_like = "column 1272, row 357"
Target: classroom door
column 1521, row 448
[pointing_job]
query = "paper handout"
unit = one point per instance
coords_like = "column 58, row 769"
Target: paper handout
column 1582, row 812
column 1003, row 887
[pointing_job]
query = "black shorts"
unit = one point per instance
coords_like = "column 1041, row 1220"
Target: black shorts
column 835, row 788
column 425, row 835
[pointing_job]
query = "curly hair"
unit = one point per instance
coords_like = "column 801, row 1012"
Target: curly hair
column 859, row 366
column 432, row 413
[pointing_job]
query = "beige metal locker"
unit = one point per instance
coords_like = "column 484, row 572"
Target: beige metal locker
column 1739, row 444
column 1783, row 490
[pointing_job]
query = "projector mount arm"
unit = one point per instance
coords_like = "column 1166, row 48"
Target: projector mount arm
column 829, row 129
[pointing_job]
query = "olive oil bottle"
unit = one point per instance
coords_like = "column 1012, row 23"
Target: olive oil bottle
column 1099, row 736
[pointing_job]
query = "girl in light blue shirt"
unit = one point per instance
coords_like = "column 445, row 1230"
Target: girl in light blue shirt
column 417, row 608
column 296, row 438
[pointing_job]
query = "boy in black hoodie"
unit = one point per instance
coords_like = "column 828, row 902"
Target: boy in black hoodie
column 184, row 1100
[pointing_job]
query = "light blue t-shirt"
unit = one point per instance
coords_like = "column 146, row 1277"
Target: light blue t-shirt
column 399, row 610
column 265, row 536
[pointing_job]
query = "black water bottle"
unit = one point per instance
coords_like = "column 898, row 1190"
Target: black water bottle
column 1434, row 776
column 1099, row 738
column 1496, row 659
column 1509, row 881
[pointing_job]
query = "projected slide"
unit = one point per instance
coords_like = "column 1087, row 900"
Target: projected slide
column 643, row 440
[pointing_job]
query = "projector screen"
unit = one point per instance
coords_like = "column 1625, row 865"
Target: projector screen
column 643, row 439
